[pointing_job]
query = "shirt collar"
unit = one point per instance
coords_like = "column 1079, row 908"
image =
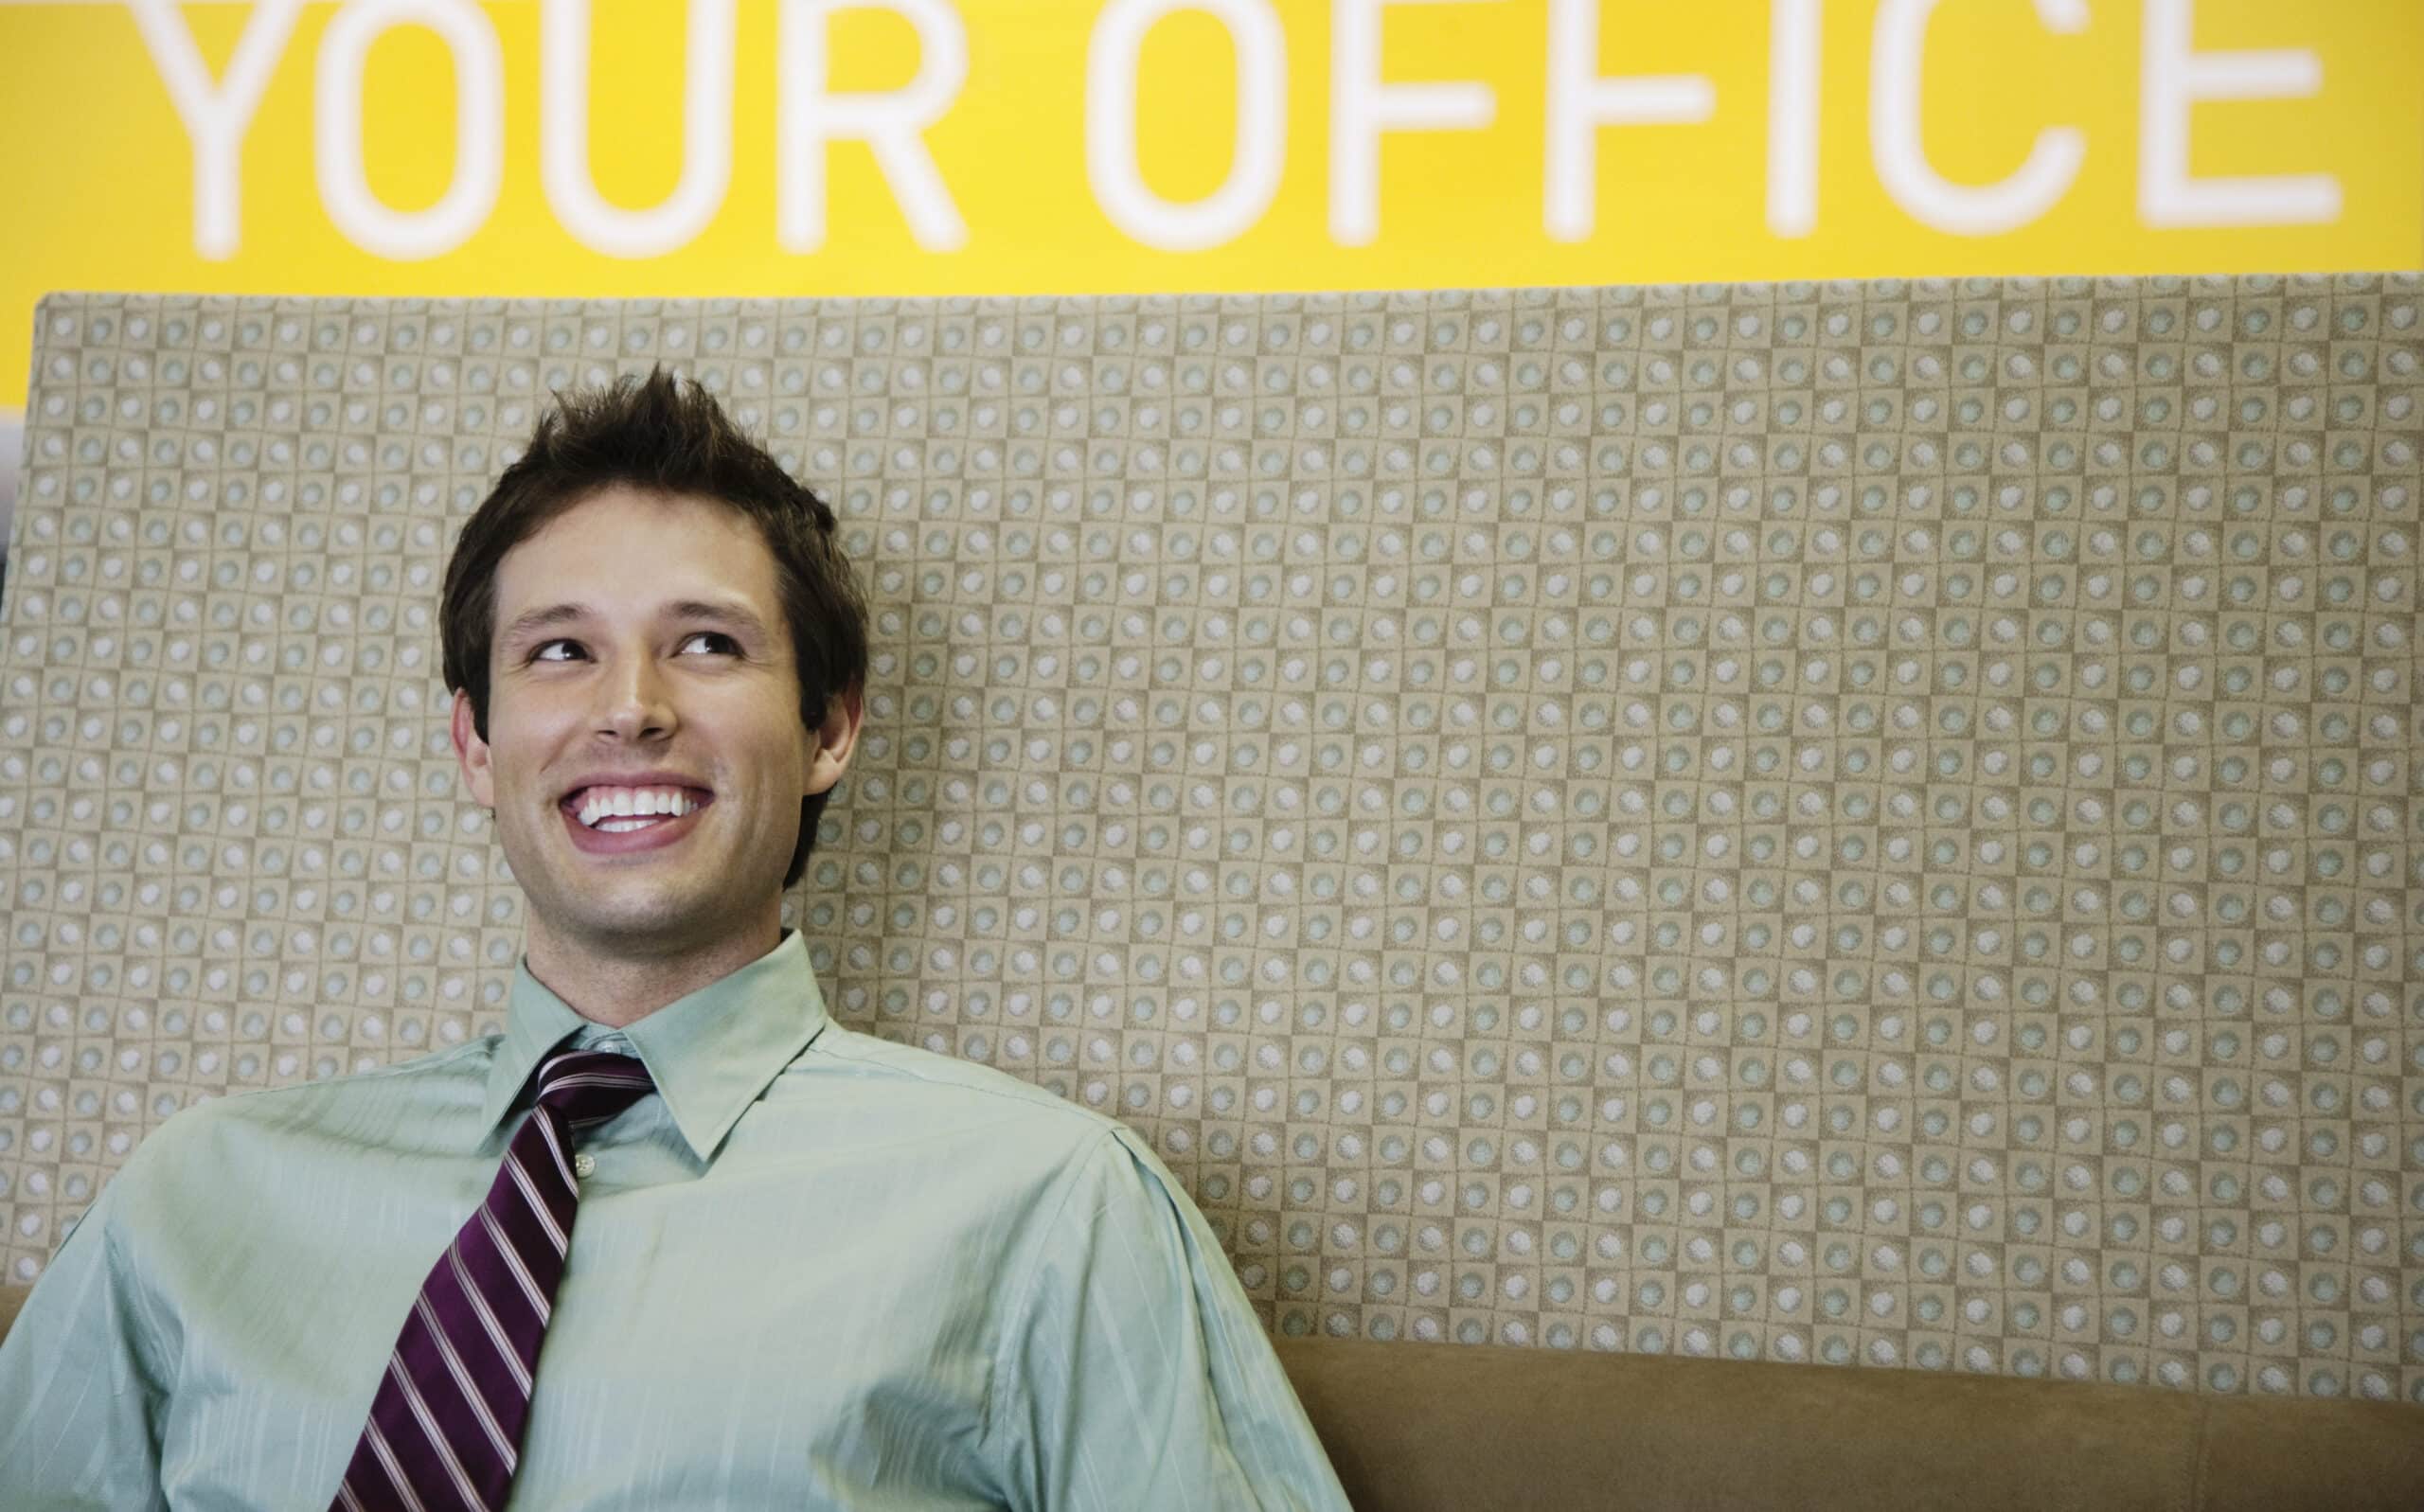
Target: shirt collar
column 710, row 1053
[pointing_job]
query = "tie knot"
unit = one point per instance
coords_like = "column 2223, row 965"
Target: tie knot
column 587, row 1086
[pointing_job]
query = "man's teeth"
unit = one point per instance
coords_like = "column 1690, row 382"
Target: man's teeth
column 615, row 810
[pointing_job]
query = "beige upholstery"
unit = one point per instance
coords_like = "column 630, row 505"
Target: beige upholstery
column 1453, row 1427
column 1848, row 823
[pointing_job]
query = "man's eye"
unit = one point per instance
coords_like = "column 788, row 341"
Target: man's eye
column 548, row 651
column 721, row 644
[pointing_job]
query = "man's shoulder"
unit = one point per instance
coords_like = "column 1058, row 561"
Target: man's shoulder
column 950, row 1088
column 207, row 1129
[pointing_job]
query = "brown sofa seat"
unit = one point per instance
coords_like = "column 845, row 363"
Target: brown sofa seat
column 1431, row 1427
column 1453, row 1427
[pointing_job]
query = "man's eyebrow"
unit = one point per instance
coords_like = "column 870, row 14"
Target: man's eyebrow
column 531, row 621
column 741, row 616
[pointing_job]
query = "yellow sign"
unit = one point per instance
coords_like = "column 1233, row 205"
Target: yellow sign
column 919, row 147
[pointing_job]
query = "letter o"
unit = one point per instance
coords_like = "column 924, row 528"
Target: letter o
column 1229, row 211
column 479, row 128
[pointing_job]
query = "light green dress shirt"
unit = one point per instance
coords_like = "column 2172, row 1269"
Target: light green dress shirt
column 818, row 1270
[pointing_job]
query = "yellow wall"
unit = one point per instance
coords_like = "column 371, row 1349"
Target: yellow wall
column 99, row 178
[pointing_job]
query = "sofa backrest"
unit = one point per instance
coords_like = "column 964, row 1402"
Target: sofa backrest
column 1849, row 823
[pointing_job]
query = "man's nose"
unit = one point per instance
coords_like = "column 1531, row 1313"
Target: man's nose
column 637, row 700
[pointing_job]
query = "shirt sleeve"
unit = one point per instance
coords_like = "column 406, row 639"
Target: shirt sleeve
column 1133, row 1372
column 77, row 1406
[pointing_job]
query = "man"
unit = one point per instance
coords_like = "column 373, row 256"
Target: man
column 772, row 1262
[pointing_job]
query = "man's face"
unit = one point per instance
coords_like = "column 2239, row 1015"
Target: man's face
column 645, row 755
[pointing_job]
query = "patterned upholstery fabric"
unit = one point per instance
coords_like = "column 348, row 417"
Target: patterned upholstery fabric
column 1860, row 823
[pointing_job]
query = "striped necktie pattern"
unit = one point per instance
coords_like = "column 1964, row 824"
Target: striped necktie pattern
column 445, row 1430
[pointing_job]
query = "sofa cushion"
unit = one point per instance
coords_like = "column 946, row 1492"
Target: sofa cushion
column 1442, row 1428
column 1456, row 1428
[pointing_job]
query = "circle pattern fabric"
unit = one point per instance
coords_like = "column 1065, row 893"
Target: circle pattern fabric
column 1868, row 824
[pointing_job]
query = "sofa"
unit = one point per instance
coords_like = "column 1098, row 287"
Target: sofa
column 1476, row 1428
column 1631, row 830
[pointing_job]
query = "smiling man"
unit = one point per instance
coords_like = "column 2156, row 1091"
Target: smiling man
column 674, row 1238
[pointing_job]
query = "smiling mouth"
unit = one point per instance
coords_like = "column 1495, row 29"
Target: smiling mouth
column 620, row 810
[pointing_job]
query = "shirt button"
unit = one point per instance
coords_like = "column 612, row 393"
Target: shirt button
column 584, row 1164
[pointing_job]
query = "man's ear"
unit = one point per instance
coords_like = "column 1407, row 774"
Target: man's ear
column 844, row 712
column 472, row 753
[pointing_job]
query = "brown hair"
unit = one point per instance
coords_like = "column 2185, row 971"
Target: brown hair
column 666, row 436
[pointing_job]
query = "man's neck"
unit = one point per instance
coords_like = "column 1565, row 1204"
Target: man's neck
column 616, row 987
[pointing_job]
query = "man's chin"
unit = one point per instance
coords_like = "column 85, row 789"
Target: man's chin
column 625, row 908
column 642, row 927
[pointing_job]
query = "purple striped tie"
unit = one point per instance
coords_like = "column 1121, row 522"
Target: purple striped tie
column 445, row 1430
